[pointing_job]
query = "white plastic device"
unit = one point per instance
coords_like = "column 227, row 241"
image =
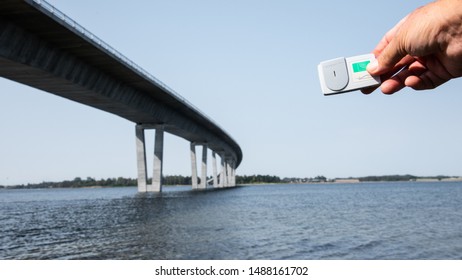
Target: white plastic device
column 342, row 74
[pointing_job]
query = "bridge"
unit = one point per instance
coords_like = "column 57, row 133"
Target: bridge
column 43, row 48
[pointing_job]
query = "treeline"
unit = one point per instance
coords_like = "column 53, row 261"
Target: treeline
column 109, row 182
column 256, row 179
column 175, row 180
column 396, row 178
column 80, row 183
column 170, row 180
column 253, row 179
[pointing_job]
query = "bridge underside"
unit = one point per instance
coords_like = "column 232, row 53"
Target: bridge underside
column 27, row 59
column 47, row 53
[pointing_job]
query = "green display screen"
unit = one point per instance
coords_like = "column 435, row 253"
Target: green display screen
column 360, row 66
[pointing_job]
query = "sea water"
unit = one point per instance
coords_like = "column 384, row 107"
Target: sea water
column 409, row 220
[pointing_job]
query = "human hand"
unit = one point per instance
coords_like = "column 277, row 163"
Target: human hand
column 426, row 45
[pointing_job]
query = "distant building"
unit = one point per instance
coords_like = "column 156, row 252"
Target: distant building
column 347, row 181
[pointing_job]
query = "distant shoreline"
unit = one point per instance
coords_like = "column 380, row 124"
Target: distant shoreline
column 241, row 181
column 456, row 179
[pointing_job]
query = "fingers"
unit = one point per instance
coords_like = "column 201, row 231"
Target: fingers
column 417, row 76
column 398, row 75
column 389, row 86
column 395, row 83
column 427, row 80
column 427, row 73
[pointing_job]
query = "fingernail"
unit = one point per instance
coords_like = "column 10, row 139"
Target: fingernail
column 372, row 66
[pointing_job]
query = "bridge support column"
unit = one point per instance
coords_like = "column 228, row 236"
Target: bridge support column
column 204, row 167
column 223, row 172
column 141, row 159
column 233, row 173
column 220, row 179
column 214, row 166
column 156, row 185
column 228, row 175
column 158, row 160
column 194, row 177
column 193, row 166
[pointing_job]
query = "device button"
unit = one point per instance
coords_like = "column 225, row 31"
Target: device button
column 335, row 73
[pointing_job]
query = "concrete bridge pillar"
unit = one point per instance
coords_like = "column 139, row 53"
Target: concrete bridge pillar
column 156, row 185
column 193, row 166
column 141, row 159
column 194, row 177
column 214, row 166
column 228, row 174
column 158, row 160
column 204, row 167
column 229, row 171
column 222, row 183
column 233, row 173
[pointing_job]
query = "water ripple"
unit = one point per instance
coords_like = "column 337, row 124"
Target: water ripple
column 360, row 221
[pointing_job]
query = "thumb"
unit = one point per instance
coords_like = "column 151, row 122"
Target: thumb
column 388, row 58
column 389, row 51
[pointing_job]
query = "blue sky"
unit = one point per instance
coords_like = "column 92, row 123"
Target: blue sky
column 250, row 66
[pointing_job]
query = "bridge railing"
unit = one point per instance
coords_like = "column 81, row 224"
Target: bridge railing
column 44, row 5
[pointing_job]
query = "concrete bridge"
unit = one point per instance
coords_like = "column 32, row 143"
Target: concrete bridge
column 45, row 49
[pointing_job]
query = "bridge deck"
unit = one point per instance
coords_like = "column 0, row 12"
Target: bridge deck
column 42, row 48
